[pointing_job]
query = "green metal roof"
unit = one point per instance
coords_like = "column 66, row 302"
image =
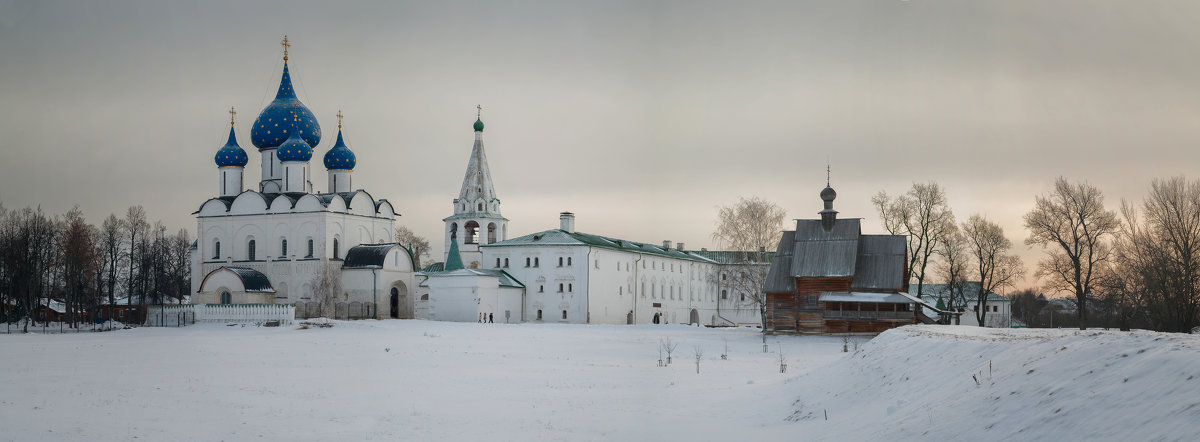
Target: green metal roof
column 558, row 237
column 506, row 280
column 453, row 259
column 969, row 288
column 473, row 215
column 435, row 267
column 736, row 256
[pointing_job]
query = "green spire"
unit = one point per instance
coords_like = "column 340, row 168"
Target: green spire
column 453, row 259
column 478, row 125
column 941, row 305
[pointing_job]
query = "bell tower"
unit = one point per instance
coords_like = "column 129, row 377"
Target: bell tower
column 476, row 220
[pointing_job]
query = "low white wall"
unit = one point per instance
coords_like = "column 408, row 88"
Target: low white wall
column 168, row 315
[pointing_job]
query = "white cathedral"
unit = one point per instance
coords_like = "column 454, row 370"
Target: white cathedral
column 328, row 253
column 332, row 253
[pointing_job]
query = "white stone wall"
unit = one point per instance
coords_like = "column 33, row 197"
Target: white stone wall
column 464, row 297
column 292, row 274
column 605, row 286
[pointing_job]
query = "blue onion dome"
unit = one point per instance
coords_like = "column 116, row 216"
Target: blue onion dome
column 274, row 122
column 294, row 148
column 478, row 125
column 231, row 155
column 339, row 157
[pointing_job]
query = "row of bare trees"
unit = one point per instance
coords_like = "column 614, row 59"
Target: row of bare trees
column 50, row 259
column 1141, row 266
column 939, row 247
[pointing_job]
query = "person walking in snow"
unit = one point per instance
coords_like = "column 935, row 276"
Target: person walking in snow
column 489, row 318
column 656, row 318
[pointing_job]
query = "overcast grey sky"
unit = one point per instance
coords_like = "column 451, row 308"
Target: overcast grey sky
column 640, row 117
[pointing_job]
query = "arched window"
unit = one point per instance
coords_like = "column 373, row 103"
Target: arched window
column 491, row 233
column 724, row 294
column 472, row 228
column 539, row 315
column 560, row 261
column 335, row 248
column 453, row 230
column 560, row 287
column 564, row 314
column 283, row 248
column 310, row 248
column 226, row 298
column 250, row 250
column 743, row 296
column 506, row 263
column 535, row 262
column 526, row 261
column 217, row 250
column 480, row 207
column 497, row 262
column 568, row 261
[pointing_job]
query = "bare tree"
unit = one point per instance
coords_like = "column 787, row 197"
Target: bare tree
column 111, row 236
column 996, row 267
column 135, row 227
column 923, row 215
column 418, row 245
column 1159, row 258
column 1073, row 222
column 668, row 346
column 954, row 268
column 79, row 256
column 752, row 226
column 326, row 287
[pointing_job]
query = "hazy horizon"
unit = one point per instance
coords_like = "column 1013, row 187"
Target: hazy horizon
column 640, row 117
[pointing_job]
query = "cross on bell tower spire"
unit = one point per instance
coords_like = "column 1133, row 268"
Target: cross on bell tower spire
column 285, row 45
column 478, row 111
column 339, row 115
column 232, row 113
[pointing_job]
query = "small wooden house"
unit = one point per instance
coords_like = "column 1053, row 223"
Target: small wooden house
column 827, row 277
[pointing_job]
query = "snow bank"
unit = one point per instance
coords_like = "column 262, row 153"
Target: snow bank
column 944, row 382
column 422, row 380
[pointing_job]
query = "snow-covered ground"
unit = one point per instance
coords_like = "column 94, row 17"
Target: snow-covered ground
column 420, row 380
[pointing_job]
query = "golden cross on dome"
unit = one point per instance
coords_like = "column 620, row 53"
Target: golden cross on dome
column 478, row 111
column 339, row 115
column 285, row 45
column 231, row 114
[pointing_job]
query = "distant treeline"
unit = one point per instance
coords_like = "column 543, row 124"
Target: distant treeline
column 60, row 268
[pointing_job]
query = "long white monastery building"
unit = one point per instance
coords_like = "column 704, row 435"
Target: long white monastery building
column 562, row 275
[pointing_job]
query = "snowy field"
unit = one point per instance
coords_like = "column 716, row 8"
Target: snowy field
column 420, row 380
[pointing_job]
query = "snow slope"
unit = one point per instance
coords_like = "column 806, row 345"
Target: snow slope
column 947, row 382
column 420, row 380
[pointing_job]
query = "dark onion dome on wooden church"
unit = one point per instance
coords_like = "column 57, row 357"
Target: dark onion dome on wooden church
column 231, row 155
column 271, row 127
column 294, row 149
column 339, row 157
column 478, row 125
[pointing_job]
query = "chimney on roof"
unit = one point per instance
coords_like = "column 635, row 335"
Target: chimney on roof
column 667, row 244
column 566, row 222
column 679, row 246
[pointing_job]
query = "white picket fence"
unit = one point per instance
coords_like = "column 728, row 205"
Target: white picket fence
column 178, row 315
